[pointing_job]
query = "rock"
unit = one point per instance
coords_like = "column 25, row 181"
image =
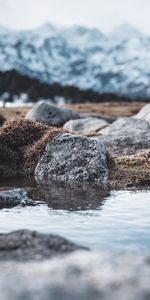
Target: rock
column 73, row 158
column 12, row 198
column 144, row 113
column 25, row 245
column 78, row 276
column 86, row 126
column 126, row 126
column 45, row 112
column 2, row 120
column 126, row 136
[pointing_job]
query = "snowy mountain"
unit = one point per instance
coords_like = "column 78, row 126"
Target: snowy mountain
column 77, row 56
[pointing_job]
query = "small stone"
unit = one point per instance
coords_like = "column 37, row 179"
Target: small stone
column 45, row 112
column 86, row 126
column 12, row 198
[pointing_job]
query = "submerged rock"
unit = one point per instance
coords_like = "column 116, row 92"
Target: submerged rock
column 126, row 136
column 144, row 113
column 45, row 112
column 86, row 126
column 25, row 245
column 78, row 276
column 12, row 198
column 73, row 158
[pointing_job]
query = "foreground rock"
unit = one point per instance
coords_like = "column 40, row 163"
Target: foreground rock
column 12, row 198
column 79, row 276
column 144, row 113
column 47, row 113
column 73, row 158
column 126, row 136
column 25, row 245
column 86, row 126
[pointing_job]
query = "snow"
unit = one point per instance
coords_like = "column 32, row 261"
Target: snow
column 79, row 56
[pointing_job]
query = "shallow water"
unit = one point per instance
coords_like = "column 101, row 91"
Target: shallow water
column 100, row 220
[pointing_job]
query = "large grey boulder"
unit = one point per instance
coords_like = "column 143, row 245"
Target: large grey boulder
column 25, row 245
column 144, row 113
column 45, row 112
column 15, row 197
column 126, row 136
column 86, row 126
column 73, row 159
column 78, row 276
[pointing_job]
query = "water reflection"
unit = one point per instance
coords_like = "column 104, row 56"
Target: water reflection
column 74, row 197
column 86, row 215
column 58, row 195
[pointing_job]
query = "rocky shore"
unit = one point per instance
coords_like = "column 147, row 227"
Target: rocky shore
column 84, row 151
column 51, row 143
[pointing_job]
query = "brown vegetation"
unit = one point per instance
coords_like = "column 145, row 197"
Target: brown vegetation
column 130, row 171
column 33, row 152
column 21, row 145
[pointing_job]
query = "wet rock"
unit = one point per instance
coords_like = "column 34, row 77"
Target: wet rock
column 79, row 276
column 25, row 245
column 86, row 126
column 126, row 136
column 47, row 113
column 15, row 197
column 144, row 113
column 73, row 158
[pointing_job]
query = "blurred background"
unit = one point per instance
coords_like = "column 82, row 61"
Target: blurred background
column 74, row 51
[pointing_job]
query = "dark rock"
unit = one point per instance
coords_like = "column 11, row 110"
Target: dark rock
column 73, row 158
column 47, row 113
column 2, row 120
column 12, row 198
column 86, row 126
column 126, row 136
column 25, row 245
column 79, row 276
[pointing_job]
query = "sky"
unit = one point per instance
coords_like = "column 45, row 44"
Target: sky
column 102, row 14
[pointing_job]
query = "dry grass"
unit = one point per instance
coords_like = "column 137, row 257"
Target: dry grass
column 108, row 109
column 33, row 153
column 20, row 132
column 21, row 145
column 130, row 171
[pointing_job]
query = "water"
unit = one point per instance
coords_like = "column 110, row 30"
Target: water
column 99, row 220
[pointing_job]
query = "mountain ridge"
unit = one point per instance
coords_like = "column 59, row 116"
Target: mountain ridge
column 81, row 57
